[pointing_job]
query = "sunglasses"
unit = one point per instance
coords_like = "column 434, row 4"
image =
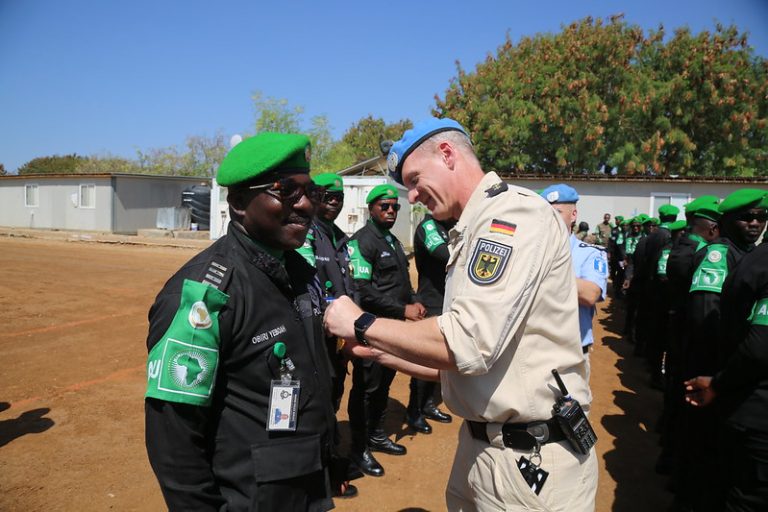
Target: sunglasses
column 333, row 196
column 385, row 206
column 289, row 191
column 751, row 216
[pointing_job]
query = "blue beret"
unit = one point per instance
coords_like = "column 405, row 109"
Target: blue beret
column 413, row 138
column 560, row 193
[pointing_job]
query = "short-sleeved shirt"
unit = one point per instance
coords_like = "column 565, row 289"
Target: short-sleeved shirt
column 510, row 314
column 591, row 264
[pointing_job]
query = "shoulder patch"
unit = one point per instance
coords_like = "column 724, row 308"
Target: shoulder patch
column 759, row 314
column 496, row 189
column 488, row 261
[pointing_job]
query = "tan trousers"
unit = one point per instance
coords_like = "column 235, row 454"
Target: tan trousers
column 486, row 478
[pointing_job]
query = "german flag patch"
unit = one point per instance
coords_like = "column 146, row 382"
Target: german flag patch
column 505, row 228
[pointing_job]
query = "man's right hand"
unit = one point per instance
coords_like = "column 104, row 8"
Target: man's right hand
column 415, row 311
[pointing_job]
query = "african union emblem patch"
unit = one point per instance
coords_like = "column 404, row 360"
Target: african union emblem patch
column 488, row 261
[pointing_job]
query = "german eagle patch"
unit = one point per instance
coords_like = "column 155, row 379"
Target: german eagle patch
column 488, row 261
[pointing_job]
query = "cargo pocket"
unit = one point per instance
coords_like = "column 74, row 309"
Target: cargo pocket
column 286, row 457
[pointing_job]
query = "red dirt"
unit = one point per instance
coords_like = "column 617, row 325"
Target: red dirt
column 71, row 409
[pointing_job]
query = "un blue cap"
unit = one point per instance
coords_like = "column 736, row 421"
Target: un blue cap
column 413, row 138
column 560, row 193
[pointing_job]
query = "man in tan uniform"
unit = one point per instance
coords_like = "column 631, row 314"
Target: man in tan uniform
column 510, row 317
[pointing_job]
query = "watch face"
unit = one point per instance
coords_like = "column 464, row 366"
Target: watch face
column 362, row 323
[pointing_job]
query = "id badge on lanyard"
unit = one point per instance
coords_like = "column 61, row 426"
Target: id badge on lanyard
column 284, row 399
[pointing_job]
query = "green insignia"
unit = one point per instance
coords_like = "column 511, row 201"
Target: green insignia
column 712, row 271
column 661, row 266
column 307, row 250
column 432, row 239
column 361, row 268
column 182, row 366
column 488, row 261
column 759, row 314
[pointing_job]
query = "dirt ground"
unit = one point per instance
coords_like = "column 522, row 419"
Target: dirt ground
column 73, row 378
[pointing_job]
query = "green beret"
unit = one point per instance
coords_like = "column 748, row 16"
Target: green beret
column 332, row 182
column 264, row 153
column 668, row 210
column 708, row 212
column 654, row 220
column 619, row 218
column 677, row 225
column 701, row 201
column 742, row 199
column 626, row 221
column 642, row 218
column 383, row 191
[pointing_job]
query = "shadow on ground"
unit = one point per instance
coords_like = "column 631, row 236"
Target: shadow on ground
column 631, row 462
column 29, row 422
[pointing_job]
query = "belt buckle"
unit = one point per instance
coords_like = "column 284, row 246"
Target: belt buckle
column 540, row 431
column 518, row 438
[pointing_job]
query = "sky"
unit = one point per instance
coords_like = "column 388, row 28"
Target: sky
column 110, row 78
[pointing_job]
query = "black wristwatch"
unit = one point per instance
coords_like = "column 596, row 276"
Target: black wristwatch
column 362, row 324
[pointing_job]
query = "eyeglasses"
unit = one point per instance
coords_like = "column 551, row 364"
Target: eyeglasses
column 753, row 216
column 385, row 206
column 288, row 190
column 333, row 196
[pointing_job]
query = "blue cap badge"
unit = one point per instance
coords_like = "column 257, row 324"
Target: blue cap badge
column 413, row 138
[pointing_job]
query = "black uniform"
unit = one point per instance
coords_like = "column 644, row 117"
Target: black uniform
column 431, row 253
column 326, row 249
column 382, row 287
column 742, row 384
column 697, row 472
column 206, row 423
column 616, row 259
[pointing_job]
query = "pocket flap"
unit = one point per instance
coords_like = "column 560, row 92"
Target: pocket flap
column 288, row 457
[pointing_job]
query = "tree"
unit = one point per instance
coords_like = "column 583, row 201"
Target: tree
column 108, row 165
column 3, row 172
column 275, row 114
column 364, row 136
column 201, row 156
column 56, row 164
column 602, row 93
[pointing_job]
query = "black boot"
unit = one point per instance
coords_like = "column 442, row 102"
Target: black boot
column 379, row 442
column 416, row 421
column 433, row 413
column 367, row 463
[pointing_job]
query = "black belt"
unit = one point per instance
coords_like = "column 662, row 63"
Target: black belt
column 521, row 436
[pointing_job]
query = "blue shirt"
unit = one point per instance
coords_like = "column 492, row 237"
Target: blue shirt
column 591, row 264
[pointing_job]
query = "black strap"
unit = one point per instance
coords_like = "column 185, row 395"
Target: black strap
column 521, row 436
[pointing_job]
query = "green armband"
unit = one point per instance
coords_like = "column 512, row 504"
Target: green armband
column 759, row 314
column 182, row 365
column 307, row 250
column 361, row 268
column 712, row 271
column 432, row 238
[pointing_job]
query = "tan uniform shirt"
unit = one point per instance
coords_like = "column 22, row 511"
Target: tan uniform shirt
column 510, row 311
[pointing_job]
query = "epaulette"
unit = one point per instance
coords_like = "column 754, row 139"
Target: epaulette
column 600, row 247
column 217, row 275
column 496, row 189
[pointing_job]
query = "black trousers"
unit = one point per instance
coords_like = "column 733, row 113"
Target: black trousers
column 422, row 391
column 368, row 399
column 745, row 469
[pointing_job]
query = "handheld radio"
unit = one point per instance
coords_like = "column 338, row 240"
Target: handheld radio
column 572, row 420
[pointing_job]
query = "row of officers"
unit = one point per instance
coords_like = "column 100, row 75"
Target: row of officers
column 248, row 340
column 696, row 308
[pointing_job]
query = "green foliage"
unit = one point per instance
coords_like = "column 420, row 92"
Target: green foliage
column 275, row 114
column 56, row 164
column 200, row 156
column 603, row 92
column 364, row 136
column 3, row 172
column 108, row 165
